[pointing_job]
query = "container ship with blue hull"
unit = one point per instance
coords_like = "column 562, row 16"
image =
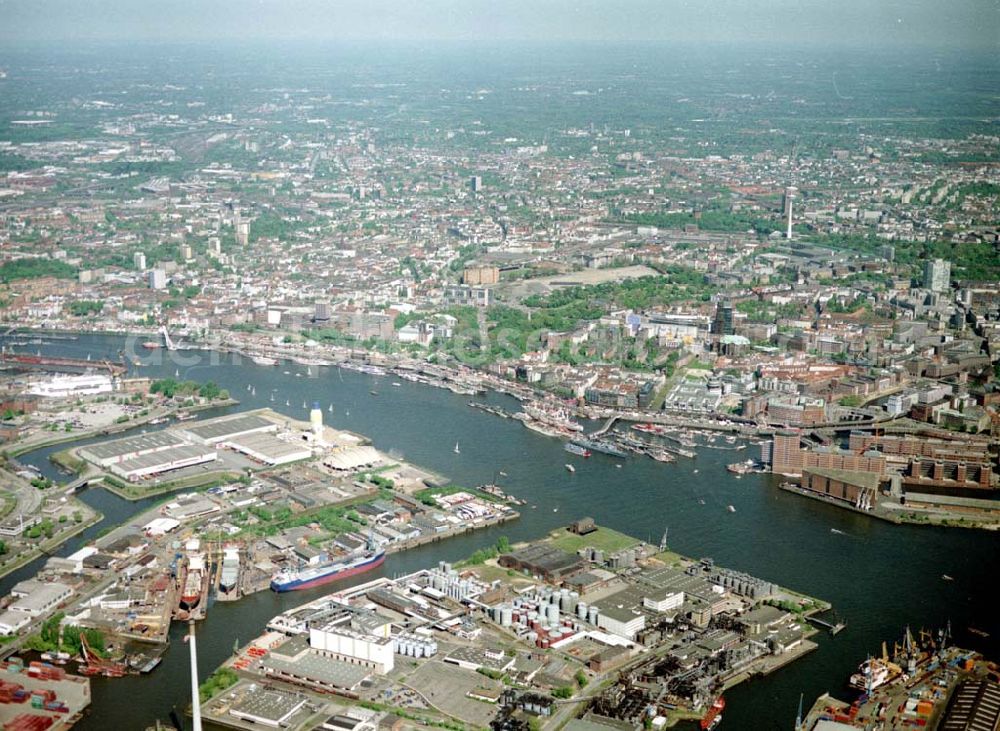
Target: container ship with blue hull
column 307, row 577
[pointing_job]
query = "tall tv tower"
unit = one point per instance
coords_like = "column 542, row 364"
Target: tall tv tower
column 787, row 199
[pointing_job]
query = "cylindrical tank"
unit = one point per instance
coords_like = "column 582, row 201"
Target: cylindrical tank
column 552, row 614
column 592, row 615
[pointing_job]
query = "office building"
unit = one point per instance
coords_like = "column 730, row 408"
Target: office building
column 722, row 324
column 937, row 275
column 157, row 279
column 242, row 233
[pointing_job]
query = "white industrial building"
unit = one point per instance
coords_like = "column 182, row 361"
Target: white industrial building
column 167, row 460
column 35, row 598
column 106, row 454
column 72, row 386
column 75, row 560
column 268, row 449
column 227, row 428
column 351, row 458
column 369, row 649
column 672, row 600
column 160, row 526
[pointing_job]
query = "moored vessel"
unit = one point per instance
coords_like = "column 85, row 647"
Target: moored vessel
column 306, row 577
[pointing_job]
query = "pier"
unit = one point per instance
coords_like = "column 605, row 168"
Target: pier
column 832, row 628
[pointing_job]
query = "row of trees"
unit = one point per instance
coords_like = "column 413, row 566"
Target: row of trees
column 171, row 388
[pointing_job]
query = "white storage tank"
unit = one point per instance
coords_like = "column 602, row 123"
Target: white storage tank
column 552, row 614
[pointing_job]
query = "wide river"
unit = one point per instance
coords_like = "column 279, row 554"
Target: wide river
column 879, row 577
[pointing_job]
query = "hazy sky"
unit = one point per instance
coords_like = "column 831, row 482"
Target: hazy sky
column 852, row 22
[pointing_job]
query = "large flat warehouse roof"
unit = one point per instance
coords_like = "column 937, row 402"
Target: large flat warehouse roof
column 316, row 668
column 216, row 430
column 165, row 458
column 131, row 445
column 270, row 448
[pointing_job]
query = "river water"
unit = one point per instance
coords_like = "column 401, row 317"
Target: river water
column 879, row 577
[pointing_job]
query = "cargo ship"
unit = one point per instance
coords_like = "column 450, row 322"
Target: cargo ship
column 713, row 716
column 230, row 569
column 306, row 577
column 191, row 588
column 598, row 446
column 874, row 673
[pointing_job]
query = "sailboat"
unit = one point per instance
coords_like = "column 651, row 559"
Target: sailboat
column 457, row 450
column 287, row 402
column 249, row 387
column 304, row 405
column 253, row 391
column 272, row 396
column 330, row 408
column 177, row 372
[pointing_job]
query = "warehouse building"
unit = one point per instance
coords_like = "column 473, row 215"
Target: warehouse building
column 268, row 449
column 349, row 459
column 106, row 454
column 227, row 428
column 165, row 460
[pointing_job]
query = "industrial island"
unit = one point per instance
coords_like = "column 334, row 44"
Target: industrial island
column 584, row 627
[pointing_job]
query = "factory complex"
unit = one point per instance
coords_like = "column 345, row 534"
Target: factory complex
column 499, row 643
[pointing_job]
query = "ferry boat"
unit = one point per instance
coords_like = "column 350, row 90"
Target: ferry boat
column 309, row 576
column 713, row 716
column 577, row 450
